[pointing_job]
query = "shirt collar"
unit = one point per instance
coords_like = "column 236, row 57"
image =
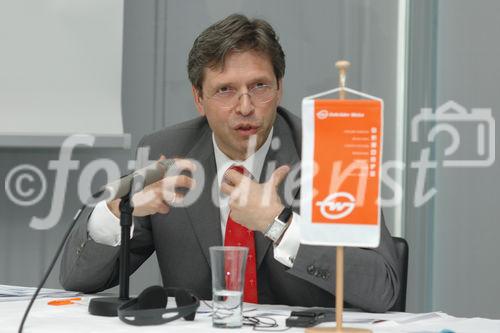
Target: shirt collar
column 253, row 163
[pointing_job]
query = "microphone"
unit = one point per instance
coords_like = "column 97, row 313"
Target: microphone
column 117, row 189
column 147, row 175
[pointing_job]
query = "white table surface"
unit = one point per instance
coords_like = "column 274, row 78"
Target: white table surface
column 75, row 318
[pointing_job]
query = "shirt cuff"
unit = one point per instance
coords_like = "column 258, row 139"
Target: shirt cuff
column 104, row 227
column 286, row 251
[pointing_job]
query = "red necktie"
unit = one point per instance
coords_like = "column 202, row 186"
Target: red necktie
column 238, row 235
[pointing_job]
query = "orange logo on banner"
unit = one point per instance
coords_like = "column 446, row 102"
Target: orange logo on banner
column 347, row 142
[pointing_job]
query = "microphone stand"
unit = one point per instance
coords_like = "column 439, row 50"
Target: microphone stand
column 108, row 306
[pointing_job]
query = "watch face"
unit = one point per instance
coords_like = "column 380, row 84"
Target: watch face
column 275, row 230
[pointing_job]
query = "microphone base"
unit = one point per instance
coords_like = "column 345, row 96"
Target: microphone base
column 105, row 306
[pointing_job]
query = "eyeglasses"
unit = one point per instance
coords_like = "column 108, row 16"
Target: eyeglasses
column 228, row 98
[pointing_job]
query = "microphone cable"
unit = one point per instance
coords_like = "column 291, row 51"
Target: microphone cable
column 54, row 260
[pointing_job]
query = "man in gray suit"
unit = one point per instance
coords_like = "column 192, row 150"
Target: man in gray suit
column 236, row 68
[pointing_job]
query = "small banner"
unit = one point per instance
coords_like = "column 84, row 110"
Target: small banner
column 341, row 167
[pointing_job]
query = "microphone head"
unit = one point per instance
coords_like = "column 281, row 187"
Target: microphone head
column 140, row 179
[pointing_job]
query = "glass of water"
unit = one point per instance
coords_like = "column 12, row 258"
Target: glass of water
column 228, row 279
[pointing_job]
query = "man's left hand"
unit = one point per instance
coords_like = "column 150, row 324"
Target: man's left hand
column 251, row 204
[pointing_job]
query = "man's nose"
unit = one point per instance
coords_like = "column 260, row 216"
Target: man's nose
column 245, row 106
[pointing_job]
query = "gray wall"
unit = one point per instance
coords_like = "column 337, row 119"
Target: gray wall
column 24, row 252
column 156, row 93
column 421, row 92
column 453, row 55
column 466, row 239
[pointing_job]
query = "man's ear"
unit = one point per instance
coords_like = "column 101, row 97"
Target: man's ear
column 198, row 100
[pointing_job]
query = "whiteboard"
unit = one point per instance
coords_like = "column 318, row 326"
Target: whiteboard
column 61, row 66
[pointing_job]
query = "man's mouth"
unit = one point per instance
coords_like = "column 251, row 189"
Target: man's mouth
column 247, row 129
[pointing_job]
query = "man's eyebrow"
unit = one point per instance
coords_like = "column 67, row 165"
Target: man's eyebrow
column 223, row 84
column 263, row 78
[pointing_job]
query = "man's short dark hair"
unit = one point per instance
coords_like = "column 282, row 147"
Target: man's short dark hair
column 235, row 33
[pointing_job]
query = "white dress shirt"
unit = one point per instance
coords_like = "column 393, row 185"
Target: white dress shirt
column 104, row 227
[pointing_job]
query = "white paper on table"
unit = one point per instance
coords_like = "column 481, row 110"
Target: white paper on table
column 18, row 293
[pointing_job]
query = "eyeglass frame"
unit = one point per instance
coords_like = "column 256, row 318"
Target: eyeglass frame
column 249, row 93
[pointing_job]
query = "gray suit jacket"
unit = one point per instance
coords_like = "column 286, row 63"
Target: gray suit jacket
column 182, row 237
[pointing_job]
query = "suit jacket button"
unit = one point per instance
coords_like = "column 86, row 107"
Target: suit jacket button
column 311, row 269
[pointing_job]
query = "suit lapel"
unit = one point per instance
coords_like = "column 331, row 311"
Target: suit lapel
column 204, row 215
column 286, row 154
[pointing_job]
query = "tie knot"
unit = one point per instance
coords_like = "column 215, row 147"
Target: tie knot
column 241, row 169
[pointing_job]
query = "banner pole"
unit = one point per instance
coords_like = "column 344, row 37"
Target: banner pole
column 339, row 288
column 342, row 66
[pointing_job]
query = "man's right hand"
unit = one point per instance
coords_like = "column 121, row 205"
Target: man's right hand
column 159, row 196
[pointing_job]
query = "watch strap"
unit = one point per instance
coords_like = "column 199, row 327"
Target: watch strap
column 285, row 214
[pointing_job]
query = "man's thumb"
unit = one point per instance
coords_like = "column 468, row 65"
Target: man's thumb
column 279, row 175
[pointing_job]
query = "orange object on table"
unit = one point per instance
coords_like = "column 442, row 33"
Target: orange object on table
column 67, row 301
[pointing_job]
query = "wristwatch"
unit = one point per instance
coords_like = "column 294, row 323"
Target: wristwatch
column 279, row 225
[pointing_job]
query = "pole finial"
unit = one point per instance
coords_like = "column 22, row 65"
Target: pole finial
column 342, row 66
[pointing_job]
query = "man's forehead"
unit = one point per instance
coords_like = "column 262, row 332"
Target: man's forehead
column 254, row 62
column 236, row 54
